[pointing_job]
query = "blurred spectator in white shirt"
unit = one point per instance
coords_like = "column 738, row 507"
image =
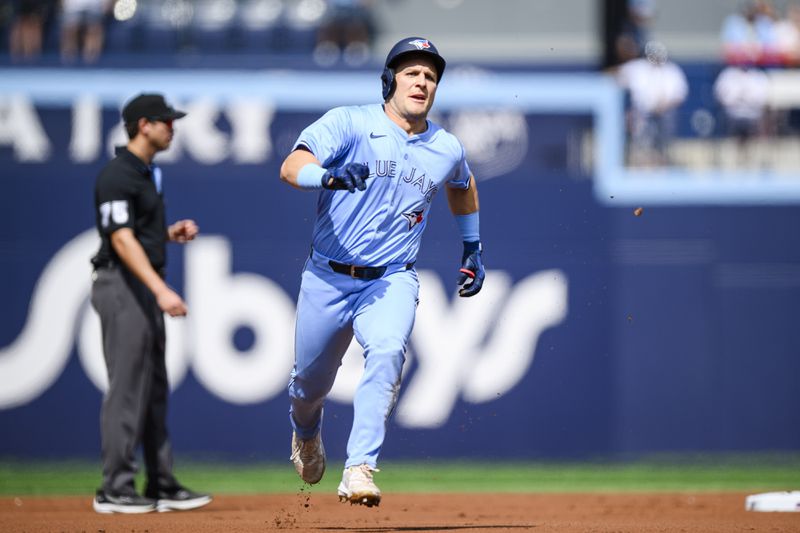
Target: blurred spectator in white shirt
column 743, row 91
column 656, row 87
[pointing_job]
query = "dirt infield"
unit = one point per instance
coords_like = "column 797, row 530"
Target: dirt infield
column 563, row 513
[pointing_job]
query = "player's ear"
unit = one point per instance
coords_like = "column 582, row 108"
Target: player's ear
column 387, row 80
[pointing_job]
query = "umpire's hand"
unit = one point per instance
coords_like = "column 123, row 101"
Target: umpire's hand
column 172, row 304
column 351, row 176
column 471, row 268
column 183, row 231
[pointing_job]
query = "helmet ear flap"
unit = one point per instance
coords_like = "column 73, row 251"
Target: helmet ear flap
column 387, row 79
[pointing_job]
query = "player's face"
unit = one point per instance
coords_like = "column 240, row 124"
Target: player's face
column 416, row 87
column 159, row 133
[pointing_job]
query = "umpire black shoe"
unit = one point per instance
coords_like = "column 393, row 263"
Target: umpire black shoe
column 178, row 499
column 108, row 502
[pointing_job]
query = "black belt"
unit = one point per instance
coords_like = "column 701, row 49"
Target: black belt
column 103, row 264
column 362, row 272
column 111, row 264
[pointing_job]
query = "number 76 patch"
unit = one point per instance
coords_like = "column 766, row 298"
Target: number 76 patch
column 116, row 210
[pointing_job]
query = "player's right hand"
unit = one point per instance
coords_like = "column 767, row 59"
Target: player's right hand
column 350, row 177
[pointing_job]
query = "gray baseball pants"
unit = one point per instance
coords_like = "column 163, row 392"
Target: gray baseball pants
column 134, row 408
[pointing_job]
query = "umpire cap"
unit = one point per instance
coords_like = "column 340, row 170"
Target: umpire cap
column 149, row 106
column 406, row 47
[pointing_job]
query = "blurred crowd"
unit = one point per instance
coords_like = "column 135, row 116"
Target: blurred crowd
column 760, row 34
column 756, row 39
column 332, row 31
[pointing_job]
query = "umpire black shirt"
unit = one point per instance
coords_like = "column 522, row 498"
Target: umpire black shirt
column 127, row 195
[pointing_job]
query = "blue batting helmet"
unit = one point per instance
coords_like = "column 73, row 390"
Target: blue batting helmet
column 403, row 48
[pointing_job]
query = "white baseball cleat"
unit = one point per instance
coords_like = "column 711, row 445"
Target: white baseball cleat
column 358, row 487
column 308, row 457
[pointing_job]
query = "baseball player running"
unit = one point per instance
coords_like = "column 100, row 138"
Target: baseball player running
column 378, row 168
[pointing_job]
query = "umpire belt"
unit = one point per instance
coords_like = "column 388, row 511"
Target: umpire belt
column 110, row 264
column 362, row 272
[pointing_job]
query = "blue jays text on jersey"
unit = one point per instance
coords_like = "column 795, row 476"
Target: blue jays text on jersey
column 384, row 224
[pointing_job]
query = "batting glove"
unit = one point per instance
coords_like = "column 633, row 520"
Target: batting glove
column 350, row 177
column 471, row 268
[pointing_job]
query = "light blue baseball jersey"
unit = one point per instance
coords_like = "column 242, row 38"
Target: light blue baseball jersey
column 383, row 224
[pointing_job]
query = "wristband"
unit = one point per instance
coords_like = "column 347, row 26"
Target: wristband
column 310, row 176
column 468, row 226
column 472, row 246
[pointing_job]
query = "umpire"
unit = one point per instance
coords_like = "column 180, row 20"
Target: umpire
column 131, row 297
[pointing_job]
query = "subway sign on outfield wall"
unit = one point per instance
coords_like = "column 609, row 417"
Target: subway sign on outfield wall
column 451, row 365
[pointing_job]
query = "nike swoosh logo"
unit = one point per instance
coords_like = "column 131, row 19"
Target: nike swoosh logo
column 373, row 136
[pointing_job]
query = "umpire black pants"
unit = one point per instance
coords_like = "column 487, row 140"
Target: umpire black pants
column 134, row 408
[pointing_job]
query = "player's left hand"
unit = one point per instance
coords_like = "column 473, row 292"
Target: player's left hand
column 471, row 268
column 183, row 231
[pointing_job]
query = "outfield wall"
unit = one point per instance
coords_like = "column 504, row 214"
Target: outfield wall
column 598, row 333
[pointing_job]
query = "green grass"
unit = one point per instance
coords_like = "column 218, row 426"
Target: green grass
column 740, row 473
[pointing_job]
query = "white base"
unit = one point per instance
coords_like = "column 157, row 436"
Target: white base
column 786, row 501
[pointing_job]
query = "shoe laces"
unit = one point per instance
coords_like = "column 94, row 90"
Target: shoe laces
column 362, row 473
column 306, row 450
